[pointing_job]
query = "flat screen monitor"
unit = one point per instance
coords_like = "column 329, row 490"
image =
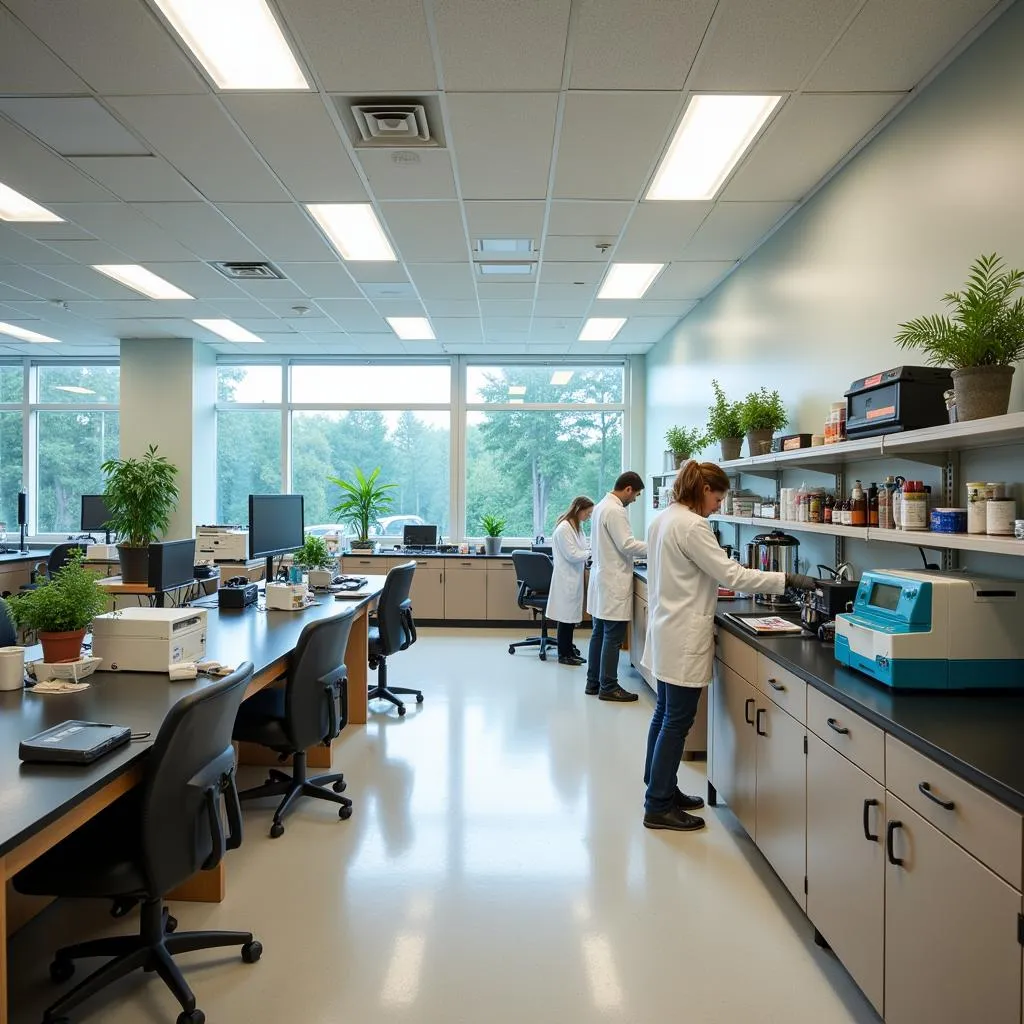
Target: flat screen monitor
column 419, row 536
column 276, row 524
column 95, row 514
column 172, row 564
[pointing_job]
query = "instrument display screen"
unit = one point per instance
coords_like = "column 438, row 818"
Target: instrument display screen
column 885, row 595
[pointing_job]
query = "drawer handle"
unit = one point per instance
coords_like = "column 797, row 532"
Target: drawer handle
column 926, row 790
column 868, row 835
column 890, row 831
column 836, row 727
column 776, row 685
column 747, row 705
column 757, row 728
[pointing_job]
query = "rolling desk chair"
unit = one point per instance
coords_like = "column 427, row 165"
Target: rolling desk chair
column 393, row 630
column 301, row 714
column 533, row 576
column 56, row 560
column 148, row 842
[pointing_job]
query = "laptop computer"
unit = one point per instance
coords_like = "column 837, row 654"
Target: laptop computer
column 73, row 742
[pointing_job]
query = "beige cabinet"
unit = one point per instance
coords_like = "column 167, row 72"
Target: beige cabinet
column 951, row 948
column 503, row 592
column 732, row 770
column 638, row 637
column 465, row 589
column 427, row 590
column 846, row 864
column 364, row 565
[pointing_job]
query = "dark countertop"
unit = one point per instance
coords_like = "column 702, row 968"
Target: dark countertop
column 32, row 555
column 978, row 736
column 392, row 553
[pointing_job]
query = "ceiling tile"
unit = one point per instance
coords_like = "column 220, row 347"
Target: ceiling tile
column 567, row 307
column 552, row 272
column 148, row 60
column 376, row 273
column 494, row 44
column 648, row 44
column 504, row 290
column 281, row 230
column 505, row 220
column 90, row 253
column 27, row 282
column 732, row 229
column 139, row 308
column 321, row 280
column 452, row 307
column 239, row 309
column 198, row 138
column 264, row 290
column 409, row 173
column 354, row 315
column 427, row 231
column 18, row 248
column 555, row 329
column 768, row 45
column 399, row 307
column 569, row 292
column 583, row 218
column 502, row 143
column 491, row 308
column 27, row 66
column 646, row 328
column 578, row 248
column 201, row 228
column 680, row 280
column 138, row 178
column 39, row 174
column 71, row 280
column 295, row 135
column 499, row 325
column 50, row 232
column 354, row 49
column 642, row 307
column 374, row 290
column 122, row 227
column 443, row 280
column 658, row 232
column 73, row 126
column 611, row 141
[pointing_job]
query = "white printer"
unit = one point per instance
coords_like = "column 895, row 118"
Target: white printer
column 148, row 639
column 222, row 543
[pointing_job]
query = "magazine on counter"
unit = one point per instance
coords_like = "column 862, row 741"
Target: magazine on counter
column 771, row 624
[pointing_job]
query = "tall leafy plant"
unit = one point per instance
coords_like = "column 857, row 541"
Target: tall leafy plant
column 314, row 554
column 685, row 441
column 364, row 501
column 494, row 525
column 141, row 495
column 725, row 418
column 763, row 410
column 66, row 602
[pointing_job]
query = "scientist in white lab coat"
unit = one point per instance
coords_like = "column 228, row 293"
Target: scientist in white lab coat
column 570, row 550
column 685, row 565
column 610, row 594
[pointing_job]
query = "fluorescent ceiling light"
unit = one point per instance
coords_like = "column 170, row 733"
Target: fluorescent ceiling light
column 131, row 275
column 629, row 280
column 73, row 389
column 517, row 389
column 228, row 329
column 20, row 332
column 16, row 207
column 601, row 328
column 239, row 42
column 560, row 377
column 489, row 269
column 411, row 328
column 353, row 229
column 712, row 136
column 504, row 245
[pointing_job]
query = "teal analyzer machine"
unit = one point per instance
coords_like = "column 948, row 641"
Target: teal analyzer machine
column 934, row 630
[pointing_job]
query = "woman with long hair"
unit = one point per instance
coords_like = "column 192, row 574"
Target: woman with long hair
column 570, row 551
column 685, row 566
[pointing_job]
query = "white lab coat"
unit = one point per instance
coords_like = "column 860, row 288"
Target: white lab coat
column 685, row 565
column 570, row 551
column 613, row 548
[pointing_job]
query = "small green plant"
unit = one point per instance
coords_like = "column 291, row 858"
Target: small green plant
column 141, row 494
column 762, row 410
column 68, row 601
column 684, row 442
column 314, row 554
column 363, row 502
column 725, row 418
column 494, row 526
column 985, row 327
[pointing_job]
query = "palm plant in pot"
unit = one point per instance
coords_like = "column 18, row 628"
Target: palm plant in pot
column 141, row 494
column 684, row 443
column 761, row 414
column 725, row 424
column 315, row 557
column 494, row 527
column 980, row 340
column 363, row 502
column 60, row 609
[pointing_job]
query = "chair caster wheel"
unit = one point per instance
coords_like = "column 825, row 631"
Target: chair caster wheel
column 192, row 1017
column 276, row 830
column 511, row 649
column 345, row 813
column 61, row 971
column 171, row 924
column 419, row 698
column 401, row 712
column 543, row 655
column 252, row 951
column 340, row 786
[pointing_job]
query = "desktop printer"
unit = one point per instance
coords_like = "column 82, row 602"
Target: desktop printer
column 222, row 543
column 148, row 639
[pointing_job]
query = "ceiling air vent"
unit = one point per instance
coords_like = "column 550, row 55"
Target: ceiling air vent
column 392, row 124
column 249, row 271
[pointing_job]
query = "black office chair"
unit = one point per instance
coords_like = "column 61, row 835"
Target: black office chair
column 150, row 841
column 392, row 630
column 8, row 631
column 301, row 714
column 55, row 561
column 533, row 577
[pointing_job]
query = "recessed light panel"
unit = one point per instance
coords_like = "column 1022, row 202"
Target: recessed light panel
column 228, row 330
column 505, row 269
column 18, row 208
column 512, row 246
column 411, row 328
column 139, row 279
column 601, row 328
column 25, row 335
column 354, row 230
column 629, row 280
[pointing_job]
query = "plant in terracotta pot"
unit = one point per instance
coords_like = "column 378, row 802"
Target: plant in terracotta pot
column 363, row 502
column 980, row 340
column 725, row 423
column 761, row 414
column 684, row 443
column 494, row 527
column 315, row 557
column 59, row 610
column 140, row 494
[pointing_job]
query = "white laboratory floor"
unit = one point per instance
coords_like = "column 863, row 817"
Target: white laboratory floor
column 495, row 870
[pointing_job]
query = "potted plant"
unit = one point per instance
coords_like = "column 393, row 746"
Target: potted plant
column 683, row 443
column 494, row 527
column 315, row 557
column 60, row 609
column 761, row 414
column 364, row 501
column 980, row 341
column 140, row 494
column 725, row 423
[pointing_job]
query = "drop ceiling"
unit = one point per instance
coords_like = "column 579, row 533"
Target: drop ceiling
column 553, row 116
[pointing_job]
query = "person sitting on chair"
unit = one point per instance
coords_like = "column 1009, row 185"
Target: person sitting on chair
column 570, row 551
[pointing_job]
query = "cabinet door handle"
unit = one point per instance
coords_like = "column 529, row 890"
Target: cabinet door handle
column 776, row 685
column 926, row 790
column 836, row 727
column 890, row 831
column 868, row 804
column 757, row 728
column 747, row 705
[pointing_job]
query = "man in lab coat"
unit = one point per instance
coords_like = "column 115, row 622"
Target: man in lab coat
column 610, row 595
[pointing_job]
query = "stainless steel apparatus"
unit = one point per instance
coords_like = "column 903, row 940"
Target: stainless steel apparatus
column 774, row 552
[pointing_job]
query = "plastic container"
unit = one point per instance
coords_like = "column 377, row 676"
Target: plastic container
column 914, row 506
column 948, row 520
column 977, row 496
column 1000, row 514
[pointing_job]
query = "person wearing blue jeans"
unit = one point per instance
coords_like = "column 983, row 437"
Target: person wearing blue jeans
column 674, row 712
column 603, row 658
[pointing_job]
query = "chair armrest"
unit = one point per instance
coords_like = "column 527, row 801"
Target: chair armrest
column 408, row 626
column 335, row 685
column 215, row 779
column 233, row 806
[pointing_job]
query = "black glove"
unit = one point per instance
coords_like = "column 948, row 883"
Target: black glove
column 797, row 581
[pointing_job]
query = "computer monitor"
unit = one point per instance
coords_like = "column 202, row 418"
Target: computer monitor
column 419, row 536
column 172, row 564
column 95, row 514
column 276, row 526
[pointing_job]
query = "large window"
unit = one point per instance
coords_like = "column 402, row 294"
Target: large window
column 12, row 432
